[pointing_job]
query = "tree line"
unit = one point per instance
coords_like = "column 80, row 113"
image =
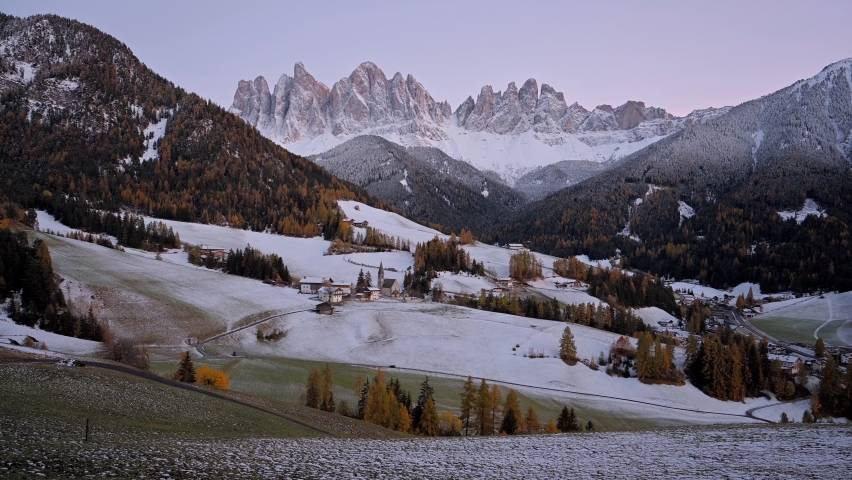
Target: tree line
column 26, row 273
column 613, row 285
column 129, row 229
column 249, row 262
column 482, row 410
column 605, row 317
column 438, row 255
column 731, row 366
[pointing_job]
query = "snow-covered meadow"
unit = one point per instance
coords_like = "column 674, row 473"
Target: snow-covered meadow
column 159, row 302
column 689, row 452
column 447, row 340
column 163, row 302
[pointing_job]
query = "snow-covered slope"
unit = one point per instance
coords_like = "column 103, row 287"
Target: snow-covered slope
column 171, row 302
column 445, row 339
column 510, row 133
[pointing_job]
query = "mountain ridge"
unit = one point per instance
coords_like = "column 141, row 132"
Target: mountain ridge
column 527, row 127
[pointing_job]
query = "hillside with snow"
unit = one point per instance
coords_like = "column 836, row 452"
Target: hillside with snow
column 415, row 336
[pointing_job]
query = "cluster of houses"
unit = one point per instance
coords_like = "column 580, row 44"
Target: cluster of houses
column 218, row 253
column 332, row 293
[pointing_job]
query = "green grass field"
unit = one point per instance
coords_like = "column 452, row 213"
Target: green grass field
column 832, row 315
column 284, row 380
column 45, row 399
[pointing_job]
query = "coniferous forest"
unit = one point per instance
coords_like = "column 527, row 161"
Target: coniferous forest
column 208, row 167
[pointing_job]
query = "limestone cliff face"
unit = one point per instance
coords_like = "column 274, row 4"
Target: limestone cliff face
column 302, row 107
column 531, row 126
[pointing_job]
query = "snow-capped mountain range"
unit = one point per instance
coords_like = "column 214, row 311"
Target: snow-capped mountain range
column 510, row 132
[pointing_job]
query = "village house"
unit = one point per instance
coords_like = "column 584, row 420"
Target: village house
column 789, row 363
column 506, row 283
column 496, row 291
column 362, row 224
column 332, row 295
column 518, row 246
column 325, row 309
column 345, row 287
column 372, row 293
column 311, row 284
column 218, row 253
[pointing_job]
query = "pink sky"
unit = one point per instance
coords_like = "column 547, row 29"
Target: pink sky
column 679, row 55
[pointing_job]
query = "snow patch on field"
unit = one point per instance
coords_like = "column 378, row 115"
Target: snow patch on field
column 810, row 208
column 794, row 411
column 462, row 283
column 27, row 71
column 47, row 222
column 496, row 259
column 653, row 315
column 55, row 342
column 569, row 296
column 603, row 263
column 444, row 339
column 389, row 223
column 703, row 291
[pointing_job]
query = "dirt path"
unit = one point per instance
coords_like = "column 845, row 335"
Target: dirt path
column 830, row 317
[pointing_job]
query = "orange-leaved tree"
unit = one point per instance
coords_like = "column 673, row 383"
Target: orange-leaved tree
column 212, row 377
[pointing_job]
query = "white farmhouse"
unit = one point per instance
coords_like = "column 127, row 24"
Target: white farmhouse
column 311, row 284
column 332, row 295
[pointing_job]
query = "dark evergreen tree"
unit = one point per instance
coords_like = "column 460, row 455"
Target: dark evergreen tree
column 186, row 370
column 510, row 423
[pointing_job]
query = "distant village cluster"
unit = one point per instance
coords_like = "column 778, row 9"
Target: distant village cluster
column 332, row 293
column 793, row 357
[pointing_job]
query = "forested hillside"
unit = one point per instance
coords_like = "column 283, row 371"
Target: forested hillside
column 718, row 201
column 80, row 115
column 423, row 183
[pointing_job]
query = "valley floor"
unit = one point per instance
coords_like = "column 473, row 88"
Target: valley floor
column 164, row 303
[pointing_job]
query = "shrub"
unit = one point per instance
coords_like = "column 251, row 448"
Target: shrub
column 211, row 377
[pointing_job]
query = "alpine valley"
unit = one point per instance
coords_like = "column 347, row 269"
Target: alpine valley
column 367, row 266
column 703, row 196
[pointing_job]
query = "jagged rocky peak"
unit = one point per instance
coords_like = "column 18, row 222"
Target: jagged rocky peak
column 464, row 110
column 528, row 95
column 519, row 110
column 251, row 99
column 301, row 107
